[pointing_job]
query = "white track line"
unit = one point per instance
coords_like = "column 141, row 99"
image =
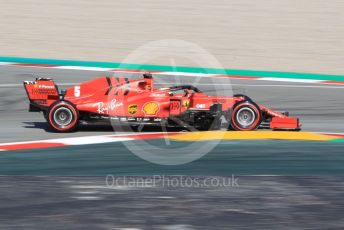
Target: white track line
column 10, row 85
column 86, row 139
column 100, row 69
column 249, row 85
column 188, row 74
column 289, row 80
column 289, row 86
column 7, row 63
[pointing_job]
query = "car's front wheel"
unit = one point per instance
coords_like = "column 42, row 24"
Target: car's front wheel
column 63, row 116
column 245, row 116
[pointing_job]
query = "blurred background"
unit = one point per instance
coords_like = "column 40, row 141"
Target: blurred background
column 285, row 35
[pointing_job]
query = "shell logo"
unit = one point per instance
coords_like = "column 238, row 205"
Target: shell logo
column 151, row 108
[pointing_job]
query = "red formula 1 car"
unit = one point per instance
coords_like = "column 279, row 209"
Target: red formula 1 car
column 137, row 102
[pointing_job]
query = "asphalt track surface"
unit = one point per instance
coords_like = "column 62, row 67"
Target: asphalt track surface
column 34, row 195
column 88, row 203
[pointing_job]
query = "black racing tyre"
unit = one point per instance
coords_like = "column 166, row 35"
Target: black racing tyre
column 63, row 116
column 245, row 116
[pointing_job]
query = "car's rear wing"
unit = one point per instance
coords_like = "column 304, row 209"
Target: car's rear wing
column 42, row 93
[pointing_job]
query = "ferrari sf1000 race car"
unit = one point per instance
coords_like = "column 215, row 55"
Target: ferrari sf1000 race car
column 139, row 102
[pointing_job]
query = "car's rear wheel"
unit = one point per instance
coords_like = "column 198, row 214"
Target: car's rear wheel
column 63, row 116
column 246, row 116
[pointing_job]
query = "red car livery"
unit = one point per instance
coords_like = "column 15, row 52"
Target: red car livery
column 138, row 101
